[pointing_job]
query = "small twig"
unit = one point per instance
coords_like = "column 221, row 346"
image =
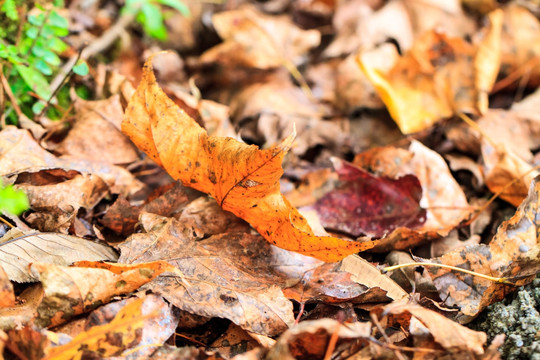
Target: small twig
column 66, row 78
column 10, row 95
column 398, row 354
column 403, row 348
column 332, row 342
column 300, row 313
column 6, row 222
column 95, row 47
column 502, row 280
column 513, row 76
column 191, row 339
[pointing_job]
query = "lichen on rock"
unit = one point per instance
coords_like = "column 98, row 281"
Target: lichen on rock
column 518, row 317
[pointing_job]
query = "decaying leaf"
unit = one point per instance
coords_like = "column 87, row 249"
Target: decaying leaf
column 20, row 249
column 452, row 336
column 243, row 179
column 370, row 205
column 227, row 275
column 122, row 333
column 7, row 297
column 20, row 153
column 70, row 291
column 438, row 77
column 512, row 254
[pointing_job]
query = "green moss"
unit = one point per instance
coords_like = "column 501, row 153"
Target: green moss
column 518, row 317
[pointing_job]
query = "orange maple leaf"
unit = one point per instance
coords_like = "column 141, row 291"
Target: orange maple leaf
column 242, row 178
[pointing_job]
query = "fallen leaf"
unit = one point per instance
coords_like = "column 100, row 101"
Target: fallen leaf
column 452, row 336
column 442, row 197
column 112, row 339
column 505, row 171
column 7, row 296
column 370, row 205
column 96, row 132
column 330, row 284
column 252, row 38
column 20, row 249
column 225, row 275
column 309, row 339
column 436, row 79
column 55, row 206
column 20, row 153
column 70, row 291
column 511, row 254
column 243, row 179
column 24, row 312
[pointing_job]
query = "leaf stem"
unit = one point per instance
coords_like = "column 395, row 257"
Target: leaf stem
column 502, row 280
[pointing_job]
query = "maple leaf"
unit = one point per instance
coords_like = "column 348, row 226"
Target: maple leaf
column 242, row 178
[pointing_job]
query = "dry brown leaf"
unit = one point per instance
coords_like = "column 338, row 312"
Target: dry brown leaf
column 56, row 205
column 309, row 339
column 232, row 275
column 513, row 253
column 25, row 311
column 7, row 296
column 20, row 249
column 452, row 336
column 243, row 179
column 96, row 134
column 275, row 107
column 70, row 291
column 254, row 39
column 20, row 153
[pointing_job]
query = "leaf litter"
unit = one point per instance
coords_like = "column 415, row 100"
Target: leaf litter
column 230, row 260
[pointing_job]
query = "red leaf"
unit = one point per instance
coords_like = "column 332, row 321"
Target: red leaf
column 371, row 205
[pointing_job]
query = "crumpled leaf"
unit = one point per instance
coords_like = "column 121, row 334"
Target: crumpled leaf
column 55, row 205
column 243, row 179
column 20, row 153
column 309, row 339
column 19, row 249
column 370, row 205
column 438, row 77
column 230, row 275
column 7, row 296
column 452, row 336
column 513, row 254
column 107, row 340
column 254, row 39
column 70, row 291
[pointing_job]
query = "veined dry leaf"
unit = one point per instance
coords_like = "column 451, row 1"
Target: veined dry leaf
column 242, row 178
column 20, row 249
column 513, row 253
column 70, row 291
column 232, row 275
column 437, row 78
column 106, row 340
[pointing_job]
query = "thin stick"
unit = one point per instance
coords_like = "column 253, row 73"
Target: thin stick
column 383, row 333
column 502, row 280
column 476, row 127
column 513, row 76
column 6, row 222
column 403, row 348
column 10, row 95
column 332, row 343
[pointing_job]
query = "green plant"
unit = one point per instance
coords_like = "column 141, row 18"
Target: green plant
column 149, row 14
column 12, row 201
column 30, row 45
